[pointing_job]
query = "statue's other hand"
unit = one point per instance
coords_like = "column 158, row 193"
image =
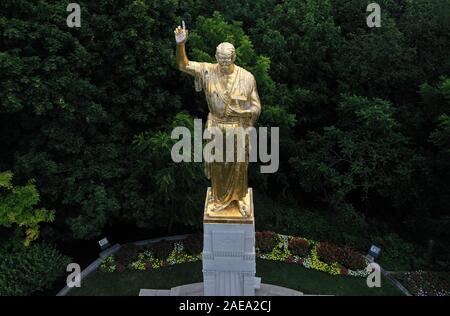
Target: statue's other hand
column 181, row 35
column 230, row 111
column 242, row 113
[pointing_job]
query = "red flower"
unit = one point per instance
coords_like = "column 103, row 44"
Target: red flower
column 344, row 271
column 345, row 256
column 299, row 247
column 121, row 267
column 290, row 259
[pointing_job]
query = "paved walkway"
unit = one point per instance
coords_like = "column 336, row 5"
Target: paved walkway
column 196, row 289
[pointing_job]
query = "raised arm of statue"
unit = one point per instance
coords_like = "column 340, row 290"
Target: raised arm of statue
column 181, row 36
column 184, row 64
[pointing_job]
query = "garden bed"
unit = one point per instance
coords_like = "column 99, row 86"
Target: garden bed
column 425, row 283
column 297, row 263
column 309, row 254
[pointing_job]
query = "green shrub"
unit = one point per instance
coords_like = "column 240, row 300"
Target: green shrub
column 398, row 254
column 30, row 269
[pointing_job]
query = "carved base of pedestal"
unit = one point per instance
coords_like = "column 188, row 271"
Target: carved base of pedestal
column 229, row 264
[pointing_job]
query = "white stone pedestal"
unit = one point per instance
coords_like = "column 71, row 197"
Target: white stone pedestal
column 229, row 265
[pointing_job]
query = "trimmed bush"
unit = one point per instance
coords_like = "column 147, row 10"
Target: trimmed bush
column 299, row 247
column 351, row 259
column 345, row 256
column 327, row 252
column 193, row 244
column 162, row 249
column 127, row 253
column 265, row 241
column 31, row 269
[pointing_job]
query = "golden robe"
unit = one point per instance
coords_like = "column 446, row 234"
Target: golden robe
column 238, row 91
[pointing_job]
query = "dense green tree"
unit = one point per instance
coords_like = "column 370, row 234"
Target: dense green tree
column 363, row 112
column 363, row 155
column 80, row 105
column 426, row 28
column 156, row 191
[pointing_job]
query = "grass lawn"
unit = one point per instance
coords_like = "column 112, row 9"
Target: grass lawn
column 288, row 275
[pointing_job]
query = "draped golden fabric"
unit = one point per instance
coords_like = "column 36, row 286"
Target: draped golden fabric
column 238, row 91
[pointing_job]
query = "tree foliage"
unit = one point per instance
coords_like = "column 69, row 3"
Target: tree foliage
column 28, row 270
column 17, row 208
column 363, row 112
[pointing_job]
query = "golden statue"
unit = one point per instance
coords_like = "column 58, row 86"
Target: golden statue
column 233, row 102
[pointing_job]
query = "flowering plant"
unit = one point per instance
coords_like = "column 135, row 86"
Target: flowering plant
column 427, row 283
column 108, row 265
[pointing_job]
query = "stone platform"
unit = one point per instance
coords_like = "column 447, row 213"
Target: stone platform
column 196, row 289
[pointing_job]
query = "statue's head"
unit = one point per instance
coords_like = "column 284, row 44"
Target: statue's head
column 225, row 56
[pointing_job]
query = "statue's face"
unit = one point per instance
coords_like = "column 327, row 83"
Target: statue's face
column 225, row 61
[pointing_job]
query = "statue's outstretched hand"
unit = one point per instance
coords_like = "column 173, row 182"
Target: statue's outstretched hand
column 181, row 34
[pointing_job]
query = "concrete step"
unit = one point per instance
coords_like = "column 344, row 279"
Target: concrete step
column 196, row 289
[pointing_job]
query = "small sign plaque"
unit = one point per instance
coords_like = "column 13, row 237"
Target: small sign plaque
column 103, row 243
column 374, row 251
